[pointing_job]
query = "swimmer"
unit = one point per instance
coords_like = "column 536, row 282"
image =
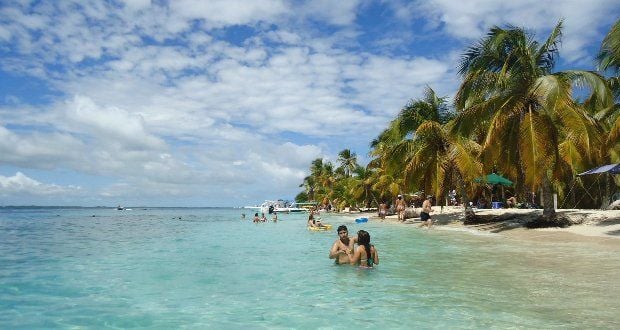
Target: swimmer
column 341, row 251
column 365, row 255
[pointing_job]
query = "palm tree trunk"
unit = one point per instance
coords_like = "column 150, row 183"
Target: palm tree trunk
column 547, row 195
column 461, row 184
column 469, row 214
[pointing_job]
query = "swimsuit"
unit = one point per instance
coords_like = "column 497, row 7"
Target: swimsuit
column 425, row 216
column 369, row 261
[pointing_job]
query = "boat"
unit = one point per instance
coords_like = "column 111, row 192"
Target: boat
column 120, row 208
column 277, row 206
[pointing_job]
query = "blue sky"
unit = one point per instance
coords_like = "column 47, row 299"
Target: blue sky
column 226, row 103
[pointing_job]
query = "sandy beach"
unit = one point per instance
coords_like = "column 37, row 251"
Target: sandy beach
column 589, row 226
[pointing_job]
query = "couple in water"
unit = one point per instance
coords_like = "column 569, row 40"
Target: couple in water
column 343, row 252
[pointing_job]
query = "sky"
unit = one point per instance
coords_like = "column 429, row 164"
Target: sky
column 226, row 102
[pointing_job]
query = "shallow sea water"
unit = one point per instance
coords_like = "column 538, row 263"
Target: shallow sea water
column 207, row 268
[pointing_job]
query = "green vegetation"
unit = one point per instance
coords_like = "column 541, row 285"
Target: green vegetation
column 513, row 114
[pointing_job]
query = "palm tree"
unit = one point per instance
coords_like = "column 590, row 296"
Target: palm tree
column 418, row 144
column 525, row 109
column 609, row 55
column 609, row 60
column 312, row 181
column 361, row 185
column 348, row 161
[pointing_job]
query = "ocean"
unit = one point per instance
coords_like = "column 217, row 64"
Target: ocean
column 207, row 268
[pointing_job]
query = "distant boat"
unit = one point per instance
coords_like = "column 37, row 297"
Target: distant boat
column 120, row 208
column 279, row 206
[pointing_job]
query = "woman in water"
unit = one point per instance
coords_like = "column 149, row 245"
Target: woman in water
column 366, row 255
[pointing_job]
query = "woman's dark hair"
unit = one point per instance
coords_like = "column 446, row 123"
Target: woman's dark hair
column 363, row 238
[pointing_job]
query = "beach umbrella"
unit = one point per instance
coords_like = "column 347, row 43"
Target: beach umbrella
column 494, row 179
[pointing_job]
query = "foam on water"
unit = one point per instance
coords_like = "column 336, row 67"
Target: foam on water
column 171, row 268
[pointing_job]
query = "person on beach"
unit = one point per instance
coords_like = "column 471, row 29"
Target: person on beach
column 275, row 217
column 263, row 218
column 366, row 255
column 382, row 210
column 425, row 214
column 256, row 218
column 400, row 207
column 341, row 249
column 511, row 202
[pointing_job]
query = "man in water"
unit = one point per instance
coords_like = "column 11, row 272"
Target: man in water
column 341, row 250
column 425, row 214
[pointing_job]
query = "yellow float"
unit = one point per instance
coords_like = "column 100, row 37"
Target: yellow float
column 323, row 227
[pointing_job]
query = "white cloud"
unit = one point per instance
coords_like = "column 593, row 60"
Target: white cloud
column 472, row 19
column 341, row 12
column 157, row 99
column 220, row 13
column 136, row 5
column 20, row 184
column 109, row 125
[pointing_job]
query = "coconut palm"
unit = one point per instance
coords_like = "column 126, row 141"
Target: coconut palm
column 348, row 161
column 387, row 146
column 361, row 185
column 418, row 145
column 526, row 109
column 609, row 60
column 609, row 54
column 312, row 181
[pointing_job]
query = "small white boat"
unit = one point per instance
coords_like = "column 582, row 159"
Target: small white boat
column 278, row 206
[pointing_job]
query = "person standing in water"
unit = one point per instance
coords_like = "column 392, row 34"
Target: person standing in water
column 366, row 255
column 425, row 214
column 382, row 210
column 340, row 249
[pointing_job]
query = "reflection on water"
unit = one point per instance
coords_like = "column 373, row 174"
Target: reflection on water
column 206, row 267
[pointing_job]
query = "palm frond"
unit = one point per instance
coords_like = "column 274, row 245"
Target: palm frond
column 609, row 54
column 548, row 52
column 600, row 94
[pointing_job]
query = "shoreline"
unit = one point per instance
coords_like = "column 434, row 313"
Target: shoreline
column 601, row 227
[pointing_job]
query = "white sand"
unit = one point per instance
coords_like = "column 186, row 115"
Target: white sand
column 598, row 226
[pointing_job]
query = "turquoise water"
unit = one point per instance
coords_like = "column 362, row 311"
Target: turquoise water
column 198, row 268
